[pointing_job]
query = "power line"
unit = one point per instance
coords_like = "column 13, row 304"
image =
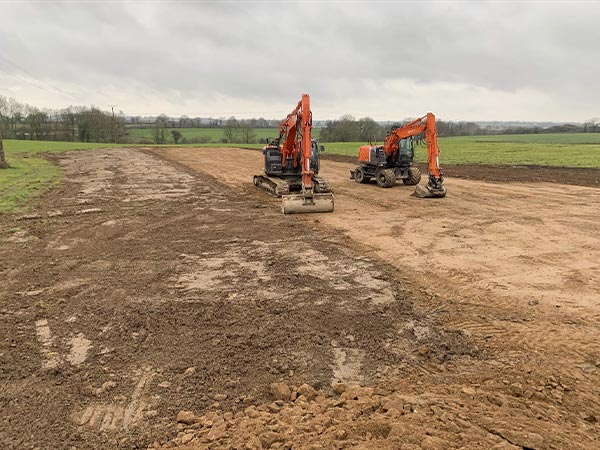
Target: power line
column 32, row 75
column 62, row 91
column 16, row 76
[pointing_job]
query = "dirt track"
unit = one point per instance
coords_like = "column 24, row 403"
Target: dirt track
column 141, row 287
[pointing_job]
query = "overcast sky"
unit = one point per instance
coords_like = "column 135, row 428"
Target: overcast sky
column 533, row 61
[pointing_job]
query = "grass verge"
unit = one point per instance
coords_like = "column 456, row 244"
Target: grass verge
column 30, row 174
column 28, row 177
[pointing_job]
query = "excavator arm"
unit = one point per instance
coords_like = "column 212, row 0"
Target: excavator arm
column 300, row 119
column 306, row 125
column 425, row 124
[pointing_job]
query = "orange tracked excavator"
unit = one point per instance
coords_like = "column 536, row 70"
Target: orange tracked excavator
column 291, row 165
column 394, row 159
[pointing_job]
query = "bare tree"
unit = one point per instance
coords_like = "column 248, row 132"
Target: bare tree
column 159, row 129
column 184, row 121
column 247, row 133
column 231, row 130
column 16, row 112
column 176, row 136
column 3, row 163
column 4, row 102
column 369, row 130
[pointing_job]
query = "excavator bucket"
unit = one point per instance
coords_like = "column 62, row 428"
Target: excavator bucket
column 428, row 192
column 299, row 204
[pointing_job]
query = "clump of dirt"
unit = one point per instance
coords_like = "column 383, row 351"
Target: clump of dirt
column 394, row 415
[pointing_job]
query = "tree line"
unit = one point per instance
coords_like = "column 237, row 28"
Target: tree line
column 91, row 124
column 590, row 126
column 349, row 129
column 199, row 122
column 234, row 131
column 75, row 123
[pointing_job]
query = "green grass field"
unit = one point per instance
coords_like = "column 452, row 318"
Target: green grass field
column 562, row 138
column 14, row 147
column 504, row 150
column 215, row 134
column 566, row 149
column 30, row 175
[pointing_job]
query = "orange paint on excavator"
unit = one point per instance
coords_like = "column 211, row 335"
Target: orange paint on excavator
column 393, row 160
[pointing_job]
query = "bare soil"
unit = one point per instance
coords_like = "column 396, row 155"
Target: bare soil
column 513, row 266
column 155, row 282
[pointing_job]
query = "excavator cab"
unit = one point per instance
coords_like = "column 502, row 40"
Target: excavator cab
column 406, row 152
column 273, row 160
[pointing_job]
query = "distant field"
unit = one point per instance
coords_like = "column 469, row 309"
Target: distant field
column 216, row 134
column 558, row 138
column 494, row 150
column 567, row 149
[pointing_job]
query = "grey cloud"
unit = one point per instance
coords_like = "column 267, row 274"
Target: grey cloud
column 268, row 52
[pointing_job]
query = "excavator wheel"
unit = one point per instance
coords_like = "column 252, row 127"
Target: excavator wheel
column 414, row 176
column 359, row 175
column 385, row 178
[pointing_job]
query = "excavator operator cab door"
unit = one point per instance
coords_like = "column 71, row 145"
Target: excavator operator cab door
column 272, row 160
column 406, row 151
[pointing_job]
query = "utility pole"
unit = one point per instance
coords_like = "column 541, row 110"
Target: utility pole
column 112, row 108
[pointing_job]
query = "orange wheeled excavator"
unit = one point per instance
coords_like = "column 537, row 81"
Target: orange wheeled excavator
column 394, row 159
column 291, row 164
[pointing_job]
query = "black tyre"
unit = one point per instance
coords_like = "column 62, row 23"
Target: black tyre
column 385, row 178
column 359, row 175
column 414, row 176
